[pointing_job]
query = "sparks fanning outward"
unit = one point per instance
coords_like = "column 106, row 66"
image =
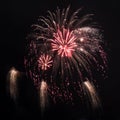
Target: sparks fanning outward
column 44, row 62
column 63, row 42
column 64, row 50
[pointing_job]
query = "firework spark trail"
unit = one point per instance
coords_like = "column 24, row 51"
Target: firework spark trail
column 65, row 50
column 12, row 79
column 43, row 96
column 92, row 94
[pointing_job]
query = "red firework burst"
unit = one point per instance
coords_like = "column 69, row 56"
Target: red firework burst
column 76, row 49
column 45, row 62
column 64, row 42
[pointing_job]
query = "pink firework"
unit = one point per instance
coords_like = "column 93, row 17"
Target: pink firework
column 72, row 49
column 45, row 62
column 64, row 42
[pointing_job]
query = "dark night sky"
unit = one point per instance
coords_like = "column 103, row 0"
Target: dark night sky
column 16, row 17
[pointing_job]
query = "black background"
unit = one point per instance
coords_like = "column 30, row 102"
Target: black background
column 16, row 16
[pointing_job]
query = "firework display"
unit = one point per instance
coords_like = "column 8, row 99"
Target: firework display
column 64, row 49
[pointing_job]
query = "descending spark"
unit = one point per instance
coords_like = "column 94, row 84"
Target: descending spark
column 92, row 94
column 12, row 78
column 43, row 95
column 45, row 62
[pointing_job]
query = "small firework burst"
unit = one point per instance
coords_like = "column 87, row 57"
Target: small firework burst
column 45, row 62
column 76, row 48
